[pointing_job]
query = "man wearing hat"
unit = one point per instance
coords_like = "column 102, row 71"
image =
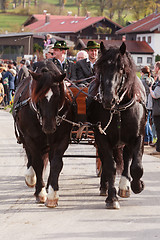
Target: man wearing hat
column 59, row 59
column 23, row 72
column 85, row 67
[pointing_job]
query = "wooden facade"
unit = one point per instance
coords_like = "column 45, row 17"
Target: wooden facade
column 18, row 44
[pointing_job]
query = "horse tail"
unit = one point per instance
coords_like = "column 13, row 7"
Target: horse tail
column 118, row 157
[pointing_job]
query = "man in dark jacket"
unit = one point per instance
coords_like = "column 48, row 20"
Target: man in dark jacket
column 85, row 67
column 23, row 72
column 60, row 60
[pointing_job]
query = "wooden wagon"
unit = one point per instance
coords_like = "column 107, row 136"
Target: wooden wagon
column 83, row 134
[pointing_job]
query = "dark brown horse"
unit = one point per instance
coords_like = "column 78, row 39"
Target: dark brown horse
column 117, row 112
column 43, row 113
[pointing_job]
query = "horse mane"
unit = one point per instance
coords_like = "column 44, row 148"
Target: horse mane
column 113, row 54
column 47, row 70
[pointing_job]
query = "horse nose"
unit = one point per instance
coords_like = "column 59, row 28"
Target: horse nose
column 49, row 128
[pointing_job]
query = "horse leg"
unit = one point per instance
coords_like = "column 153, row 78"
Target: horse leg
column 30, row 175
column 40, row 191
column 103, row 184
column 36, row 161
column 103, row 180
column 56, row 165
column 109, row 169
column 137, row 185
column 112, row 199
column 124, row 183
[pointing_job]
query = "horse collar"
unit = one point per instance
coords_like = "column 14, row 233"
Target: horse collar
column 118, row 108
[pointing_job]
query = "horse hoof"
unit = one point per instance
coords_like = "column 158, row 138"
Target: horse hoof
column 137, row 186
column 124, row 187
column 124, row 193
column 51, row 203
column 30, row 182
column 103, row 192
column 52, row 198
column 112, row 205
column 30, row 177
column 42, row 196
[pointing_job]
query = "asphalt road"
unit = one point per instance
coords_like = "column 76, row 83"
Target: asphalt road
column 81, row 212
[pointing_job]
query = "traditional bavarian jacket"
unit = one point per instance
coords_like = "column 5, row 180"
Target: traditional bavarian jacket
column 67, row 67
column 84, row 69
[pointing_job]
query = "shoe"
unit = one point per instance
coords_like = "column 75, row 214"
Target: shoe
column 146, row 143
column 155, row 153
column 152, row 144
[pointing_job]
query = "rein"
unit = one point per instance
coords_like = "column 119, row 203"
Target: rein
column 59, row 118
column 116, row 110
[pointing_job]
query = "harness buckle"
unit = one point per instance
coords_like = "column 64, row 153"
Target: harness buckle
column 58, row 120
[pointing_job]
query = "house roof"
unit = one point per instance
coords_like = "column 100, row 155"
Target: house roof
column 139, row 47
column 63, row 24
column 22, row 34
column 147, row 24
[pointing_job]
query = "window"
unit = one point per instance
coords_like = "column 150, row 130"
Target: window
column 143, row 38
column 139, row 59
column 139, row 39
column 11, row 52
column 149, row 60
column 149, row 39
column 67, row 37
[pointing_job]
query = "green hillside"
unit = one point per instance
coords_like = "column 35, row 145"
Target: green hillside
column 11, row 23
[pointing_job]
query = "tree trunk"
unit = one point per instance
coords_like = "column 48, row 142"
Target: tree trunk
column 24, row 3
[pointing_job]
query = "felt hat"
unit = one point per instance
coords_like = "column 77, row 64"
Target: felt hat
column 60, row 45
column 92, row 45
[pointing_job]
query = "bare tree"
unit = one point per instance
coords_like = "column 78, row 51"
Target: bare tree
column 79, row 4
column 62, row 4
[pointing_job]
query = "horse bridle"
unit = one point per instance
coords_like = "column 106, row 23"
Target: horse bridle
column 116, row 108
column 117, row 102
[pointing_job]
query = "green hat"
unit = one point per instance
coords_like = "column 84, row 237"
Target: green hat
column 92, row 45
column 60, row 45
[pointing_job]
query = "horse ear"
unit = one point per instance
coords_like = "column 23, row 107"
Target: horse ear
column 35, row 76
column 102, row 47
column 123, row 48
column 59, row 78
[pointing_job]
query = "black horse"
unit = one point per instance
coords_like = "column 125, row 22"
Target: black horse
column 116, row 109
column 43, row 112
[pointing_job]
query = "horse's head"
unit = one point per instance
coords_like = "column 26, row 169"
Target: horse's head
column 113, row 70
column 47, row 94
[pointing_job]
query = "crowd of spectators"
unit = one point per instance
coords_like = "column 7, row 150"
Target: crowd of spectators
column 151, row 82
column 10, row 75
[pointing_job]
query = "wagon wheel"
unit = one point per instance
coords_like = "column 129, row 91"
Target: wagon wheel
column 98, row 165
